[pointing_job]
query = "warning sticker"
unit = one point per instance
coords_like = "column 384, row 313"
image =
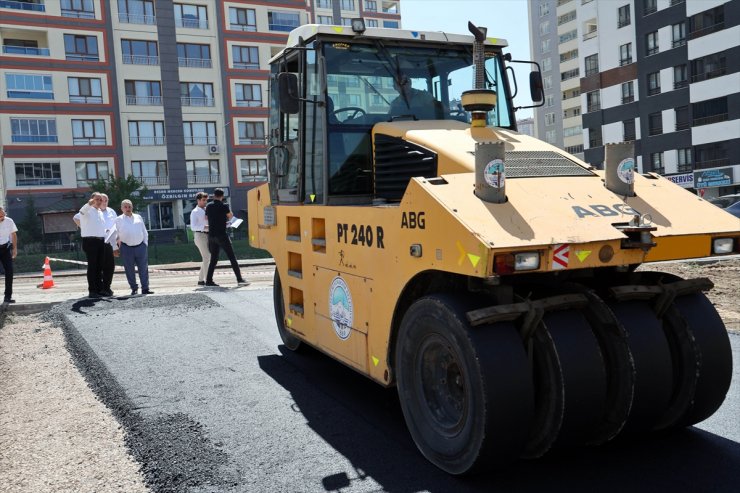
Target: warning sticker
column 560, row 257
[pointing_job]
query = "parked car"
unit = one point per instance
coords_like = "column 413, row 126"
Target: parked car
column 734, row 209
column 725, row 200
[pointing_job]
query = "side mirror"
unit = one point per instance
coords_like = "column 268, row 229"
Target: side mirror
column 277, row 157
column 536, row 90
column 288, row 93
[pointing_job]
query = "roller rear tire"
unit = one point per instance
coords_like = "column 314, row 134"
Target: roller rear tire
column 289, row 340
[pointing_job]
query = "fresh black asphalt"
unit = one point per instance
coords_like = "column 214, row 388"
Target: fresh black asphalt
column 212, row 402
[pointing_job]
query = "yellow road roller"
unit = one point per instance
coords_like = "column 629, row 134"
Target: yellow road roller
column 489, row 276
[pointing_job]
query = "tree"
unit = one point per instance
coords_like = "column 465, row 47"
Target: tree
column 29, row 228
column 118, row 188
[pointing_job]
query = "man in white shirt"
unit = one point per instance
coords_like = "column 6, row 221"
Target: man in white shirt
column 109, row 264
column 133, row 241
column 92, row 229
column 199, row 226
column 8, row 251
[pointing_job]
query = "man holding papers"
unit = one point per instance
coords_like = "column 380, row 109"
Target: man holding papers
column 218, row 215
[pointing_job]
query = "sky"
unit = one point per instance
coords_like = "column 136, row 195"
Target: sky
column 504, row 19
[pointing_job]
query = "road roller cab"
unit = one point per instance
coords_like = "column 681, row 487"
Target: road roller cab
column 488, row 275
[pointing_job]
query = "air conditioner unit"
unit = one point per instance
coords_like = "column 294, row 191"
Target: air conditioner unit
column 213, row 149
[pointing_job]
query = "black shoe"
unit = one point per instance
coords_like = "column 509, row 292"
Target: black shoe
column 9, row 300
column 134, row 291
column 146, row 291
column 106, row 292
column 201, row 283
column 211, row 283
column 93, row 295
column 242, row 282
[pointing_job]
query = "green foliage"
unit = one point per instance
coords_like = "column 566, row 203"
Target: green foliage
column 118, row 188
column 29, row 229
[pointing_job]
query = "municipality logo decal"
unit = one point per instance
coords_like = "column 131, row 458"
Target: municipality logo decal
column 493, row 173
column 626, row 171
column 341, row 310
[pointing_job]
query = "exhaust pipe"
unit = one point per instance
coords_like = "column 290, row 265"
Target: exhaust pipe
column 490, row 176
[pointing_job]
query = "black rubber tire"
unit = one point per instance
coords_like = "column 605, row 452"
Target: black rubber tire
column 466, row 393
column 570, row 383
column 289, row 340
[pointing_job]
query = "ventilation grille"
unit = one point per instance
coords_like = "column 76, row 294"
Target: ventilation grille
column 527, row 164
column 396, row 162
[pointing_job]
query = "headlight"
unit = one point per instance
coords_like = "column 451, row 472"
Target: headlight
column 527, row 261
column 722, row 245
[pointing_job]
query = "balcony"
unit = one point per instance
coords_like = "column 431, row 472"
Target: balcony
column 88, row 141
column 204, row 179
column 140, row 60
column 192, row 23
column 37, row 182
column 243, row 27
column 712, row 163
column 85, row 99
column 188, row 101
column 273, row 26
column 247, row 65
column 25, row 50
column 711, row 74
column 590, row 35
column 28, row 6
column 158, row 140
column 78, row 14
column 126, row 18
column 708, row 120
column 707, row 30
column 195, row 141
column 34, row 138
column 82, row 57
column 153, row 180
column 144, row 100
column 194, row 62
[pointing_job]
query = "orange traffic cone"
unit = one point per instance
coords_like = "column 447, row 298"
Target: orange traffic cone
column 48, row 281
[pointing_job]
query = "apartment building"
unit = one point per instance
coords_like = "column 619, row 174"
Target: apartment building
column 662, row 73
column 171, row 92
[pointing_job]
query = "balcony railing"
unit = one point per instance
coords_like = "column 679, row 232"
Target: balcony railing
column 89, row 141
column 625, row 61
column 85, row 99
column 711, row 74
column 655, row 130
column 682, row 125
column 591, row 34
column 195, row 141
column 158, row 140
column 713, row 163
column 153, row 180
column 707, row 30
column 653, row 51
column 627, row 99
column 252, row 141
column 22, row 94
column 187, row 101
column 678, row 42
column 595, row 143
column 707, row 120
column 679, row 84
column 247, row 65
column 34, row 138
column 79, row 14
column 250, row 103
column 243, row 27
column 652, row 91
column 82, row 57
column 593, row 107
column 194, row 62
column 126, row 18
column 25, row 50
column 34, row 7
column 650, row 9
column 282, row 27
column 144, row 100
column 192, row 23
column 140, row 60
column 629, row 137
column 204, row 179
column 36, row 182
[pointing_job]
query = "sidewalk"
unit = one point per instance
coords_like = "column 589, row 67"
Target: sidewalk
column 71, row 284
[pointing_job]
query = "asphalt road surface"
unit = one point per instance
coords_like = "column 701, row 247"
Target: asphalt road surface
column 212, row 401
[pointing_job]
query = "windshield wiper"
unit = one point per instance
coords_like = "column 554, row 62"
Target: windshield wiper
column 372, row 87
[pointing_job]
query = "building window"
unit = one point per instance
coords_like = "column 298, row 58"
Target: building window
column 711, row 155
column 345, row 21
column 679, row 34
column 656, row 163
column 390, row 24
column 592, row 64
column 245, row 57
column 544, row 9
column 544, row 28
column 594, row 137
column 29, row 86
column 707, row 22
column 569, row 74
column 709, row 67
column 150, row 172
column 81, row 9
column 248, row 95
column 199, row 133
column 33, row 130
column 91, row 171
column 551, row 136
column 146, row 133
column 623, row 16
column 593, row 101
column 202, row 171
column 242, row 19
column 29, row 5
column 682, row 118
column 547, row 64
column 549, row 101
column 650, row 7
column 655, row 123
column 136, row 12
column 196, row 94
column 370, row 22
column 37, row 174
column 651, row 41
column 251, row 133
column 547, row 82
column 370, row 5
column 88, row 132
column 159, row 216
column 684, row 160
column 653, row 83
column 139, row 52
column 193, row 55
column 576, row 149
column 328, row 20
column 325, row 4
column 283, row 21
column 143, row 92
column 628, row 92
column 84, row 90
column 625, row 54
column 545, row 46
column 628, row 130
column 710, row 111
column 573, row 131
column 253, row 170
column 680, row 76
column 569, row 36
column 191, row 16
column 549, row 118
column 569, row 55
column 347, row 4
column 81, row 48
column 567, row 17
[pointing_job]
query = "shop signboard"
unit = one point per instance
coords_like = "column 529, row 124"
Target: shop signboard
column 180, row 193
column 685, row 180
column 710, row 178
